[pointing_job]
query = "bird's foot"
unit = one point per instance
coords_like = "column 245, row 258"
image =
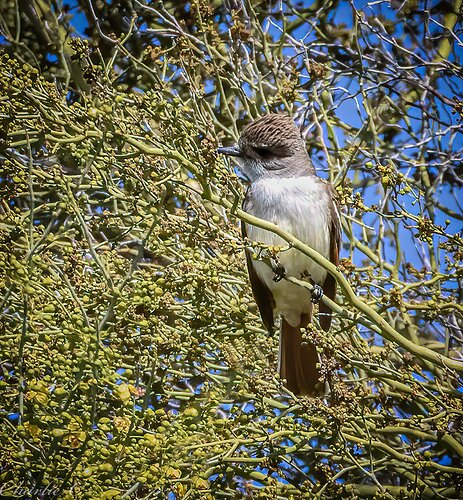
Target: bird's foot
column 279, row 271
column 317, row 294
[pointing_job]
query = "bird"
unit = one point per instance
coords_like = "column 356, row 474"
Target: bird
column 285, row 190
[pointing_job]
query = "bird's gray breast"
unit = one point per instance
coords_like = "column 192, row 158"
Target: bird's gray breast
column 299, row 206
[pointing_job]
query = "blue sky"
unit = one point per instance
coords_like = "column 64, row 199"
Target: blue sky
column 349, row 105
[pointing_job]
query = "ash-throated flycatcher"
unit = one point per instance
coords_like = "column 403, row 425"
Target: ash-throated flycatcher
column 285, row 190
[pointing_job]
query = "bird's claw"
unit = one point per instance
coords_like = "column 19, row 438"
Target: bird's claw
column 279, row 271
column 317, row 294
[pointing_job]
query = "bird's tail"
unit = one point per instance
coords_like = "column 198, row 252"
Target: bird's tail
column 297, row 361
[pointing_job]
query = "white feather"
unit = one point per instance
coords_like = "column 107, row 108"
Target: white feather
column 300, row 206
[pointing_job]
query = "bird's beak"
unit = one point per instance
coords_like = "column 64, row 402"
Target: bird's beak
column 230, row 150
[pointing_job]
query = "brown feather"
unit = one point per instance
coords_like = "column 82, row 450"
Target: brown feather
column 262, row 295
column 329, row 286
column 298, row 361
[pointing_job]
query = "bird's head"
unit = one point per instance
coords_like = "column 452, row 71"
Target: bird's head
column 271, row 146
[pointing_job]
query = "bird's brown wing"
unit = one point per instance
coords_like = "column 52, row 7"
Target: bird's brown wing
column 329, row 286
column 262, row 294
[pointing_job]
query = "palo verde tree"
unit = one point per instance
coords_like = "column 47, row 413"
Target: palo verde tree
column 134, row 362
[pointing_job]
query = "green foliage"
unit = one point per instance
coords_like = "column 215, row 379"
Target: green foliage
column 134, row 362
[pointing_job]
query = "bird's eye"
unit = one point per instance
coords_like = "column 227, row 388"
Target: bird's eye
column 263, row 152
